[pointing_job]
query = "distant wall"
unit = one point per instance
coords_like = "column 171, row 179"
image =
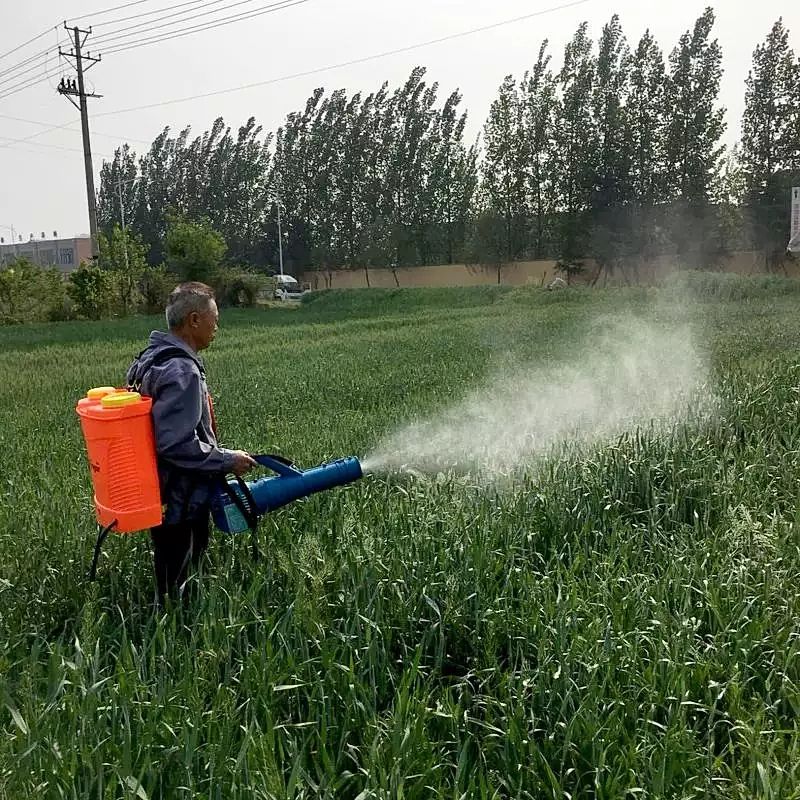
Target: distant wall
column 530, row 273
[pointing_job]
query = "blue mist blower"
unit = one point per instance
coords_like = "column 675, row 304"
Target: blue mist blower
column 237, row 505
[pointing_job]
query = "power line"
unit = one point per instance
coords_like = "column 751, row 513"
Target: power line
column 96, row 14
column 327, row 68
column 280, row 6
column 13, row 141
column 42, row 62
column 111, row 36
column 103, row 37
column 46, row 130
column 30, row 41
column 41, row 54
column 66, row 126
column 148, row 13
column 352, row 62
column 125, row 45
column 21, row 87
column 109, row 10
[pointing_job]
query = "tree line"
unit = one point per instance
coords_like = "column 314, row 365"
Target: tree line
column 616, row 156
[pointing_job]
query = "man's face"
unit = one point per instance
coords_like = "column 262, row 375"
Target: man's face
column 205, row 326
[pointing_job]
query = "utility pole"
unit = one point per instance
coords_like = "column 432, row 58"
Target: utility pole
column 280, row 238
column 69, row 89
column 122, row 217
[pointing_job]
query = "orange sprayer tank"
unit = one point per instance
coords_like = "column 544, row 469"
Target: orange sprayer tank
column 118, row 431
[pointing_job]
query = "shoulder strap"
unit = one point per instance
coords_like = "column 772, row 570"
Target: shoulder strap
column 161, row 358
column 168, row 353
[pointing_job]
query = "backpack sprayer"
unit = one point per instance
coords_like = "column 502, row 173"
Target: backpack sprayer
column 118, row 430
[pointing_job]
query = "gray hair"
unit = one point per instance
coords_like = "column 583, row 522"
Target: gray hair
column 186, row 299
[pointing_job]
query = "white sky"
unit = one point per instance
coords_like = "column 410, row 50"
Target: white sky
column 43, row 188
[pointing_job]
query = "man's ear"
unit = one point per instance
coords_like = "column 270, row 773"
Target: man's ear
column 194, row 319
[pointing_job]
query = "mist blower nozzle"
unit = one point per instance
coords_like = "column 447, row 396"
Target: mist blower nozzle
column 237, row 505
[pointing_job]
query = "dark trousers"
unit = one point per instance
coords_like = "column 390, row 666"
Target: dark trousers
column 175, row 547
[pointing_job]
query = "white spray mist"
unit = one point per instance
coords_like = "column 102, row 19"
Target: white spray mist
column 630, row 375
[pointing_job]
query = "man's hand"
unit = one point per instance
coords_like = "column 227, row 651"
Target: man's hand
column 242, row 463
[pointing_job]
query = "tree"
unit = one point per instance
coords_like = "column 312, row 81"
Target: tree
column 91, row 290
column 155, row 285
column 123, row 255
column 29, row 293
column 407, row 139
column 768, row 114
column 612, row 188
column 646, row 126
column 504, row 168
column 488, row 243
column 769, row 147
column 576, row 141
column 538, row 97
column 117, row 195
column 194, row 250
column 451, row 180
column 696, row 124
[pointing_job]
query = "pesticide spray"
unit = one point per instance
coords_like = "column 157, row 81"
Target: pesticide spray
column 626, row 375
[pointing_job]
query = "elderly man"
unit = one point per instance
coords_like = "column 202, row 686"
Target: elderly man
column 190, row 461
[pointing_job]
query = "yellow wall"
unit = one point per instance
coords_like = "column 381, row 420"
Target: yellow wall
column 521, row 273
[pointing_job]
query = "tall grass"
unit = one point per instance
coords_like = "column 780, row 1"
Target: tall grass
column 621, row 623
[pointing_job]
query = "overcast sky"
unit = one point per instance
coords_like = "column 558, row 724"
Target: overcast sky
column 42, row 187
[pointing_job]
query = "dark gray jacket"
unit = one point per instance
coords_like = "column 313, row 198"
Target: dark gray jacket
column 189, row 460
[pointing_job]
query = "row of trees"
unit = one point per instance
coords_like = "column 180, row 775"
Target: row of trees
column 379, row 179
column 122, row 282
column 617, row 155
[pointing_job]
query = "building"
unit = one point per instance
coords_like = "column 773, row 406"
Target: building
column 65, row 254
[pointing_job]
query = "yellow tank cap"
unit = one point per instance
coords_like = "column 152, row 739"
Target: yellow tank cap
column 100, row 391
column 119, row 399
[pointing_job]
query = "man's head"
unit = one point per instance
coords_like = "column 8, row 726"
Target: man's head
column 192, row 314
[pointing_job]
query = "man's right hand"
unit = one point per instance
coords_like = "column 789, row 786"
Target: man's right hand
column 242, row 463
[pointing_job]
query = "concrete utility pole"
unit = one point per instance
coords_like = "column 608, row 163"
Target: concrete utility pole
column 69, row 89
column 122, row 217
column 280, row 236
column 120, row 184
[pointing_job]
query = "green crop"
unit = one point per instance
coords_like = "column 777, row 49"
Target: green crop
column 621, row 622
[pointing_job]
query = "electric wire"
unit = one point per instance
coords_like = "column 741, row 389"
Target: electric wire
column 351, row 62
column 283, row 4
column 25, row 44
column 112, row 36
column 318, row 70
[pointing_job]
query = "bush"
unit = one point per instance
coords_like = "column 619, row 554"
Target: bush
column 155, row 284
column 123, row 255
column 194, row 250
column 237, row 287
column 29, row 293
column 91, row 289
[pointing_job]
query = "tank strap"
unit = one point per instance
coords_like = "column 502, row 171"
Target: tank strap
column 161, row 358
column 102, row 533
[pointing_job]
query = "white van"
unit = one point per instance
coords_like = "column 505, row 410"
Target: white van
column 288, row 288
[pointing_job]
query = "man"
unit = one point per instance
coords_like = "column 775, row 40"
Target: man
column 190, row 462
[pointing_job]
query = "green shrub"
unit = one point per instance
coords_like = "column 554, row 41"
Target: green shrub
column 238, row 287
column 155, row 284
column 194, row 250
column 91, row 289
column 29, row 293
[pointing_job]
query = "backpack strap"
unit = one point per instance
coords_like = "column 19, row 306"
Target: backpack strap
column 161, row 358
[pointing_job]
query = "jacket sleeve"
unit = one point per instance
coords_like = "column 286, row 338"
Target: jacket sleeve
column 177, row 410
